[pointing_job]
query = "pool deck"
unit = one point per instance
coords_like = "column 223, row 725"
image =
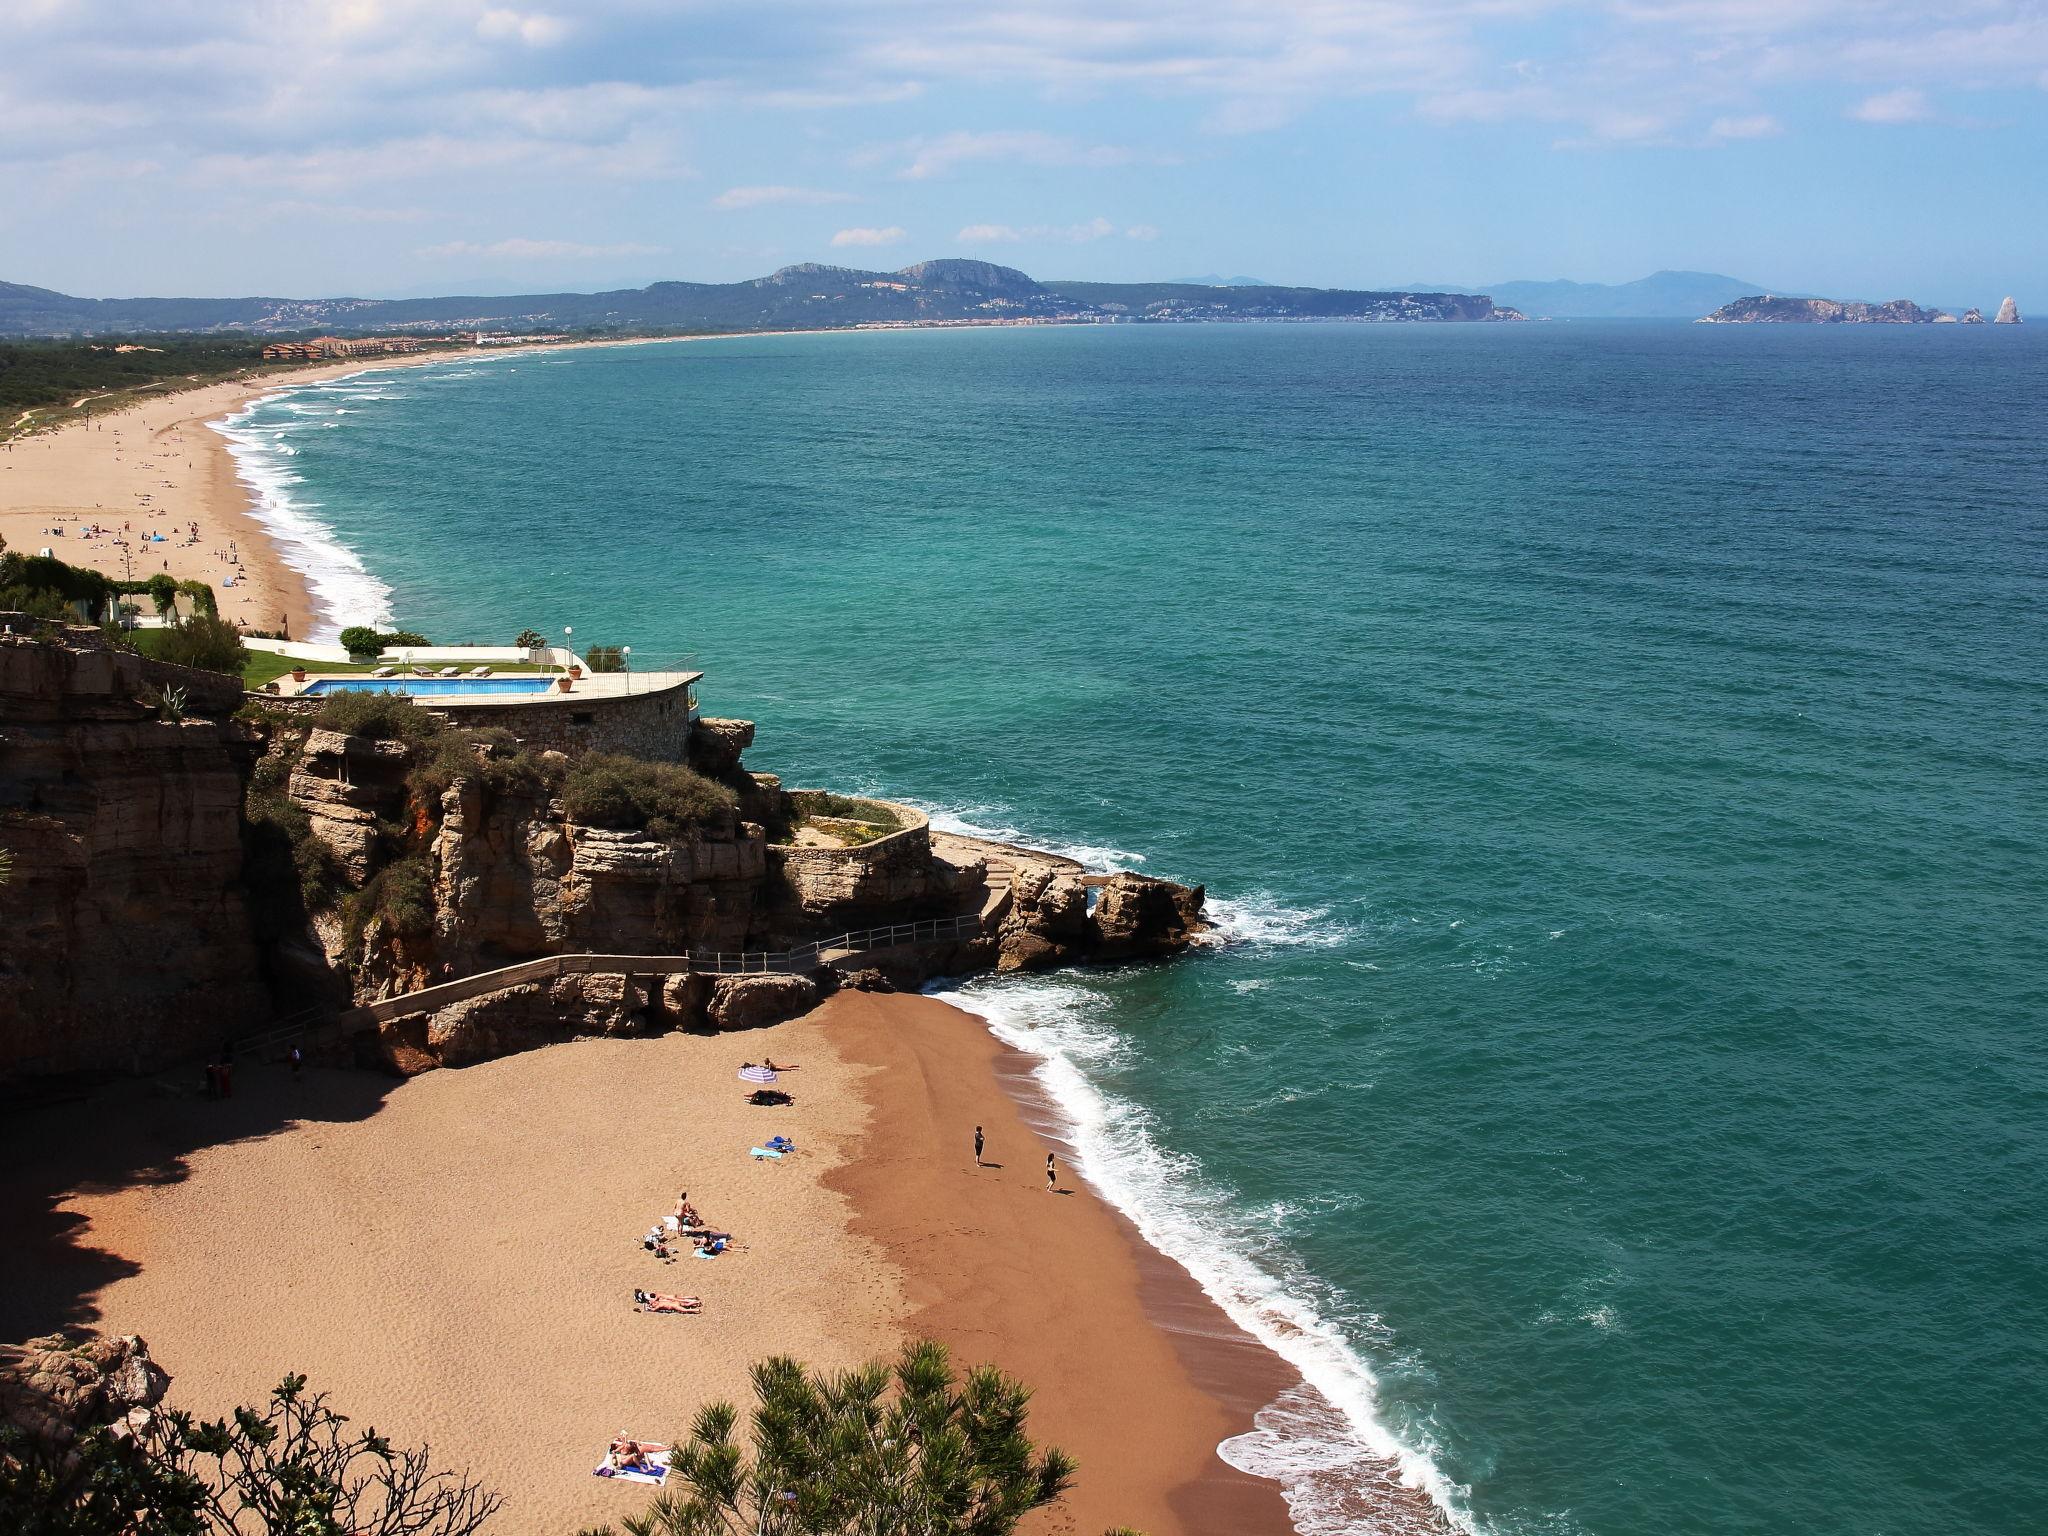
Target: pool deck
column 583, row 690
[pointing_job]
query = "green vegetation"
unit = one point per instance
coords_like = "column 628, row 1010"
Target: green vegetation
column 377, row 716
column 491, row 757
column 840, row 1455
column 362, row 640
column 212, row 644
column 854, row 821
column 58, row 380
column 529, row 640
column 289, row 871
column 666, row 799
column 605, row 658
column 46, row 587
column 292, row 1468
column 400, row 895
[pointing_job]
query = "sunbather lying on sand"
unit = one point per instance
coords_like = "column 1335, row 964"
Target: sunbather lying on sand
column 628, row 1456
column 662, row 1301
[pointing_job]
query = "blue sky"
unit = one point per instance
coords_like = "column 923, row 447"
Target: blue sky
column 1858, row 148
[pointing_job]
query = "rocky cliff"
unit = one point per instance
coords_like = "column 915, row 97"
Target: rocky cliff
column 125, row 933
column 2008, row 313
column 177, row 879
column 1769, row 309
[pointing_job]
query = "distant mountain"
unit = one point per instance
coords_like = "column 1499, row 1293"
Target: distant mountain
column 1660, row 296
column 806, row 296
column 1211, row 280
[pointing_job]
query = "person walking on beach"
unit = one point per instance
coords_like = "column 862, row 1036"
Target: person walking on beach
column 1051, row 1175
column 297, row 1061
column 978, row 1145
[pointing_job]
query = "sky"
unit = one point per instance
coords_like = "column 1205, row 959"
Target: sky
column 313, row 148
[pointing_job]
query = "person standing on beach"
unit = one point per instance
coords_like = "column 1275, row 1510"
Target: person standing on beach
column 1051, row 1175
column 978, row 1144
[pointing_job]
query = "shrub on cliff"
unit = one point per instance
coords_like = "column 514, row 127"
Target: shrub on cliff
column 377, row 716
column 842, row 1454
column 211, row 644
column 401, row 895
column 491, row 757
column 666, row 799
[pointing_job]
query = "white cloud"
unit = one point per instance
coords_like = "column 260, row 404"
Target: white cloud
column 733, row 198
column 936, row 157
column 1757, row 125
column 1906, row 105
column 536, row 29
column 890, row 236
column 1062, row 234
column 535, row 250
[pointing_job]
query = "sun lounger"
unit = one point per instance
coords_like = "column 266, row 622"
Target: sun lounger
column 479, row 671
column 655, row 1473
column 422, row 672
column 451, row 672
column 385, row 672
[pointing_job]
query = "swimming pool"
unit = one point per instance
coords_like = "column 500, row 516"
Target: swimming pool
column 420, row 687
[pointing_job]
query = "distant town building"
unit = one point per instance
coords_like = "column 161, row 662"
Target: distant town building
column 339, row 346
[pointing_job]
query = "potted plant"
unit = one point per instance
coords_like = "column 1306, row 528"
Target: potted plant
column 298, row 674
column 575, row 670
column 562, row 683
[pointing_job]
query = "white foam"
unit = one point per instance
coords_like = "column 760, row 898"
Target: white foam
column 1314, row 1444
column 343, row 589
column 1097, row 857
column 1261, row 918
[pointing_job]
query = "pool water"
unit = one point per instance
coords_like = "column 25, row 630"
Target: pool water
column 418, row 686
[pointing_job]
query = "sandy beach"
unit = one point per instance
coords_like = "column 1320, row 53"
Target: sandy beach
column 155, row 466
column 454, row 1256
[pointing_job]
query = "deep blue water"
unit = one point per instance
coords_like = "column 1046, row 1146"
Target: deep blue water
column 1619, row 749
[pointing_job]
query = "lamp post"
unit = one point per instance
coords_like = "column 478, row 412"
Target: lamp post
column 626, row 656
column 567, row 649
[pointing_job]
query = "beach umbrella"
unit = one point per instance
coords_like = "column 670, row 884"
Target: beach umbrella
column 756, row 1075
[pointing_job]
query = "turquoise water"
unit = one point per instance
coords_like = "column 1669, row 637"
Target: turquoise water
column 1617, row 750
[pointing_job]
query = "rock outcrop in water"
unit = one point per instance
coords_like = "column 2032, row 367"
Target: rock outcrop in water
column 1769, row 309
column 1973, row 316
column 2008, row 313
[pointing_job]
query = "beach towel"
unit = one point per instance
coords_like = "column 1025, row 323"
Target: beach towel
column 761, row 1152
column 654, row 1475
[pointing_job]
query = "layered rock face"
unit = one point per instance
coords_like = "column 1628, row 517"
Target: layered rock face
column 125, row 937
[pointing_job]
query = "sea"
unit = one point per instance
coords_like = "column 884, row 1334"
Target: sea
column 1614, row 753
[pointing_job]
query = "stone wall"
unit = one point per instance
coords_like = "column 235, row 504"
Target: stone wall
column 655, row 726
column 886, row 881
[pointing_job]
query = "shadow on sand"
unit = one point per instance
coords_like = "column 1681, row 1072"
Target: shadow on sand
column 131, row 1135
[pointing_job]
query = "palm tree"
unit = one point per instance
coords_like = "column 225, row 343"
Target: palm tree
column 840, row 1455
